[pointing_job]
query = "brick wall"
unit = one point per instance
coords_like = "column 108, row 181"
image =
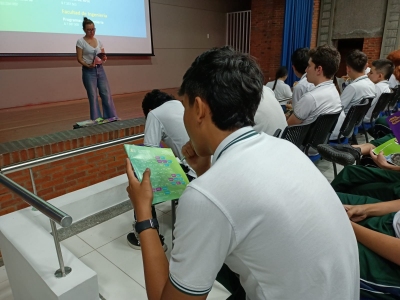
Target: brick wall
column 267, row 17
column 315, row 23
column 372, row 48
column 67, row 175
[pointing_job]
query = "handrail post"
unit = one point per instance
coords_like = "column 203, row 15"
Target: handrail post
column 62, row 271
column 33, row 184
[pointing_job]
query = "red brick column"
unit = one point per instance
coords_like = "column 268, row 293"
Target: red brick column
column 372, row 47
column 267, row 18
column 315, row 23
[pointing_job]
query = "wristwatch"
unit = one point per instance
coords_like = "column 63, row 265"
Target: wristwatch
column 143, row 225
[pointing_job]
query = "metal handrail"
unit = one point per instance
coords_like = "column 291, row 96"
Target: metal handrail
column 52, row 212
column 47, row 209
column 62, row 155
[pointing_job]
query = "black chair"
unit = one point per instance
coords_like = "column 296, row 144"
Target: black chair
column 277, row 132
column 392, row 105
column 296, row 134
column 320, row 131
column 354, row 119
column 380, row 106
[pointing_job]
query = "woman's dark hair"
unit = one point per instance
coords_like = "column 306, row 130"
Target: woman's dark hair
column 327, row 57
column 154, row 99
column 86, row 21
column 357, row 60
column 230, row 82
column 282, row 72
column 336, row 83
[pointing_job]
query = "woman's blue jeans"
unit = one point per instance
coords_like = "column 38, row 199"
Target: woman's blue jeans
column 93, row 79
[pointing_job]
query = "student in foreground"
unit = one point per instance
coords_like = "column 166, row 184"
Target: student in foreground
column 284, row 237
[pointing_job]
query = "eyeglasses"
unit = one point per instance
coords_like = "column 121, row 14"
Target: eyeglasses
column 91, row 30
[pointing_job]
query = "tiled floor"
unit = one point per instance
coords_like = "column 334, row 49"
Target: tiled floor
column 120, row 270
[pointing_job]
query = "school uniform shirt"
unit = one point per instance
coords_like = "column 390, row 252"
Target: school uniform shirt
column 302, row 87
column 357, row 90
column 269, row 115
column 393, row 82
column 282, row 91
column 251, row 211
column 380, row 88
column 323, row 99
column 396, row 224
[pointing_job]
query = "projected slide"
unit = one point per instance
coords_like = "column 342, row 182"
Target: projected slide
column 53, row 26
column 60, row 16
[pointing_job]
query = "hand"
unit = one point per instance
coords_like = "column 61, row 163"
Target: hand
column 93, row 65
column 356, row 213
column 140, row 193
column 104, row 58
column 199, row 164
column 380, row 160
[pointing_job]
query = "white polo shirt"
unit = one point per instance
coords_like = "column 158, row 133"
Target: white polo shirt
column 396, row 224
column 282, row 91
column 357, row 90
column 302, row 87
column 269, row 115
column 380, row 88
column 267, row 212
column 323, row 99
column 165, row 123
column 393, row 82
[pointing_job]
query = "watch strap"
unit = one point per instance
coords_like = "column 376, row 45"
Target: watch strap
column 143, row 225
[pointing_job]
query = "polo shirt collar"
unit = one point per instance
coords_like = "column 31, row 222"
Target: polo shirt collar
column 360, row 78
column 325, row 83
column 229, row 139
column 383, row 82
column 304, row 76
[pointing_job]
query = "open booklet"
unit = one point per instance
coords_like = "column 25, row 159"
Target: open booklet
column 167, row 177
column 391, row 150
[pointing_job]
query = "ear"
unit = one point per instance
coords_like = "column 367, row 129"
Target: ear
column 201, row 109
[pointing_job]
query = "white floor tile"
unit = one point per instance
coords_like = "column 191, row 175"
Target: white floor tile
column 77, row 246
column 104, row 233
column 113, row 283
column 3, row 274
column 5, row 291
column 164, row 207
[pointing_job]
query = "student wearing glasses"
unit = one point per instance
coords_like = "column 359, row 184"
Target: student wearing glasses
column 93, row 74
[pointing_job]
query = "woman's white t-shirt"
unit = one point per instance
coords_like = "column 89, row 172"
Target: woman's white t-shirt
column 89, row 52
column 282, row 91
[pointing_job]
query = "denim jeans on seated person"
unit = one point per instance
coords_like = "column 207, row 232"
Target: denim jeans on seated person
column 93, row 79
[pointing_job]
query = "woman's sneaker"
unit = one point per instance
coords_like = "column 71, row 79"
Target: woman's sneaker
column 134, row 242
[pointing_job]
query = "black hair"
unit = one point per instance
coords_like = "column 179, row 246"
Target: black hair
column 282, row 72
column 357, row 60
column 327, row 57
column 336, row 83
column 230, row 82
column 86, row 21
column 154, row 99
column 385, row 66
column 300, row 59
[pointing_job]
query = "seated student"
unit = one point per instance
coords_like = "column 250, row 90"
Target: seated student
column 245, row 209
column 359, row 88
column 282, row 91
column 164, row 123
column 300, row 59
column 269, row 115
column 376, row 225
column 324, row 98
column 382, row 183
column 379, row 74
column 394, row 80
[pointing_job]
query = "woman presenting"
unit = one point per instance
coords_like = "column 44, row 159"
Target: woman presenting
column 93, row 74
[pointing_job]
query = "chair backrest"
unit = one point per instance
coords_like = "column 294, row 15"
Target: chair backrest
column 277, row 132
column 380, row 106
column 296, row 134
column 354, row 118
column 321, row 129
column 394, row 100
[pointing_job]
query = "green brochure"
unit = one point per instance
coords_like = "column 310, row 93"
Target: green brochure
column 167, row 177
column 391, row 150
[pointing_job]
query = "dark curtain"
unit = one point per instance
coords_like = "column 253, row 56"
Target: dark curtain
column 296, row 31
